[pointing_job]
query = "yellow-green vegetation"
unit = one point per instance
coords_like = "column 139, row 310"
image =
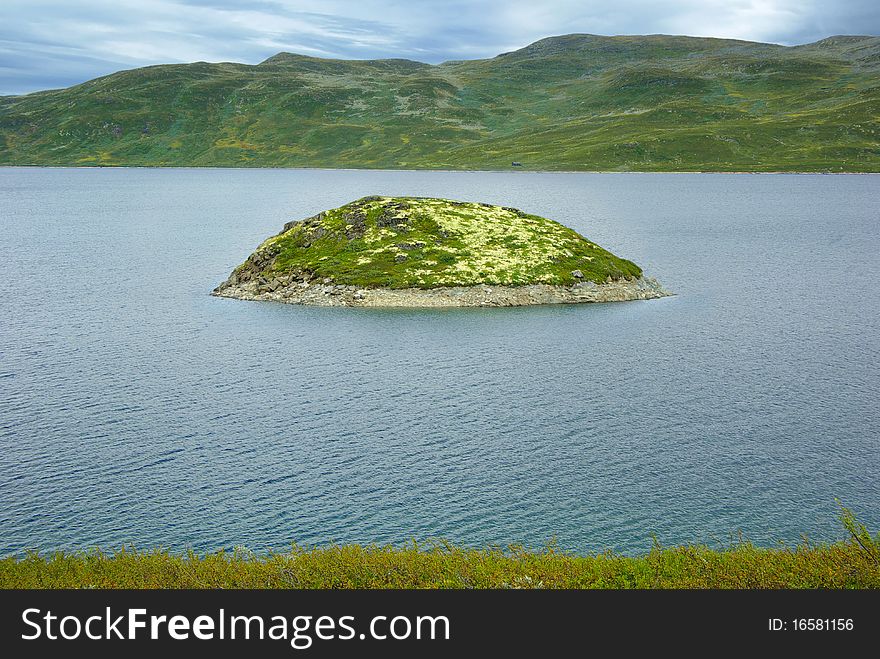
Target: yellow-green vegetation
column 844, row 565
column 574, row 102
column 415, row 242
column 854, row 563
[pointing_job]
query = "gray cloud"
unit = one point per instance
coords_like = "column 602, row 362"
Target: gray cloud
column 56, row 43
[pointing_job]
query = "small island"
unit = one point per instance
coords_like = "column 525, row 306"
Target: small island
column 425, row 252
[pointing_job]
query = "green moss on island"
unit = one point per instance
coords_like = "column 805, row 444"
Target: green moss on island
column 415, row 242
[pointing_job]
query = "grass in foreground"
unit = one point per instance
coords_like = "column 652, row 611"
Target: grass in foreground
column 854, row 563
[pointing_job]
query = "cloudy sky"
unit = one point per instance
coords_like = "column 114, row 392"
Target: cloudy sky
column 55, row 43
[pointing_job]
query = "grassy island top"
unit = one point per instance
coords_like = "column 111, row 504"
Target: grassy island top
column 403, row 242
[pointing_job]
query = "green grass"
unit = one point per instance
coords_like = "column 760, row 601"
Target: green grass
column 575, row 102
column 403, row 242
column 854, row 563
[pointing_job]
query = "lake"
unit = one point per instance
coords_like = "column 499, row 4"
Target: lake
column 135, row 408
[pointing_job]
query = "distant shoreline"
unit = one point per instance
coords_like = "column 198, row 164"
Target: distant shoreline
column 472, row 171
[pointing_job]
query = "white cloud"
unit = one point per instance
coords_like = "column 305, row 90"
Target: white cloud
column 752, row 20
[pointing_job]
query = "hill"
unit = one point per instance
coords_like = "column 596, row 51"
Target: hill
column 575, row 102
column 415, row 251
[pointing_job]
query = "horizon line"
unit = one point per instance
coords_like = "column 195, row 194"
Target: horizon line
column 449, row 61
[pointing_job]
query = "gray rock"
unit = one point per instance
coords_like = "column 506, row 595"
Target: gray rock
column 577, row 274
column 584, row 290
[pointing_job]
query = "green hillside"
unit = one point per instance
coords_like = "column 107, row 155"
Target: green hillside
column 576, row 102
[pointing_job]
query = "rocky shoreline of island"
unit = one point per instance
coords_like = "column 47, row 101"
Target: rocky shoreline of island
column 326, row 293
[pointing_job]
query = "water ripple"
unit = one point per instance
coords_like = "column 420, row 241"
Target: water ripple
column 135, row 408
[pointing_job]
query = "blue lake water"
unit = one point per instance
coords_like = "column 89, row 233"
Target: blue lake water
column 135, row 408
